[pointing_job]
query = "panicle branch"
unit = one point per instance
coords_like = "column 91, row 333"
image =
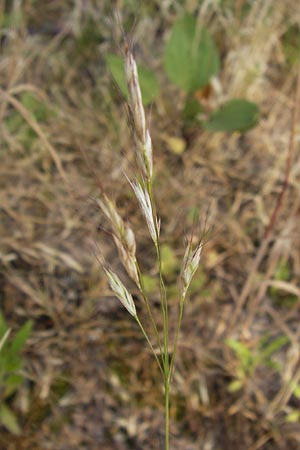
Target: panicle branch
column 123, row 236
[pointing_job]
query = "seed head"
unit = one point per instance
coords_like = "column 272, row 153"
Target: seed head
column 120, row 291
column 123, row 237
column 141, row 132
column 190, row 264
column 143, row 197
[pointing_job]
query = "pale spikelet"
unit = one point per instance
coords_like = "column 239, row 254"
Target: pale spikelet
column 148, row 153
column 120, row 291
column 123, row 237
column 145, row 203
column 190, row 264
column 141, row 132
column 135, row 96
column 111, row 213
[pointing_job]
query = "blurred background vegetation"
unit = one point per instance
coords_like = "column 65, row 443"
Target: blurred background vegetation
column 75, row 373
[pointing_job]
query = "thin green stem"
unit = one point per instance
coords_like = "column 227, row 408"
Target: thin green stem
column 146, row 301
column 164, row 306
column 167, row 413
column 181, row 306
column 150, row 344
column 163, row 295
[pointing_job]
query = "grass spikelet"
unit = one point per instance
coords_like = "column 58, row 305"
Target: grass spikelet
column 144, row 200
column 120, row 291
column 141, row 132
column 123, row 236
column 190, row 264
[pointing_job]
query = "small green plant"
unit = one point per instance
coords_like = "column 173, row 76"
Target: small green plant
column 279, row 290
column 11, row 364
column 290, row 42
column 17, row 125
column 191, row 59
column 293, row 415
column 143, row 188
column 248, row 360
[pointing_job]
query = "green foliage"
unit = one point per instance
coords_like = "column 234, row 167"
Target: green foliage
column 294, row 414
column 11, row 364
column 11, row 20
column 148, row 82
column 283, row 272
column 235, row 115
column 238, row 9
column 296, row 391
column 8, row 419
column 290, row 40
column 17, row 125
column 89, row 38
column 192, row 109
column 191, row 57
column 248, row 360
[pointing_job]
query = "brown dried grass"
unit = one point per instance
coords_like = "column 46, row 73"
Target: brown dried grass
column 85, row 389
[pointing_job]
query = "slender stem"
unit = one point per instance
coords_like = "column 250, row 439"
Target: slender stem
column 164, row 310
column 163, row 295
column 146, row 301
column 150, row 345
column 181, row 305
column 164, row 306
column 167, row 413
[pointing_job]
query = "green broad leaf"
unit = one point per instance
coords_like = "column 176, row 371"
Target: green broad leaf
column 148, row 82
column 21, row 337
column 191, row 57
column 9, row 420
column 235, row 115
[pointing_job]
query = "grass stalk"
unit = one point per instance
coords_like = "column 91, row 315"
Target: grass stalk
column 125, row 240
column 150, row 344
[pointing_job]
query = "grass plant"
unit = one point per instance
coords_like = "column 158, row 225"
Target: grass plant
column 143, row 188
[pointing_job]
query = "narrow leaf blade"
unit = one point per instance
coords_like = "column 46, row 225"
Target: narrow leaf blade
column 9, row 420
column 21, row 337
